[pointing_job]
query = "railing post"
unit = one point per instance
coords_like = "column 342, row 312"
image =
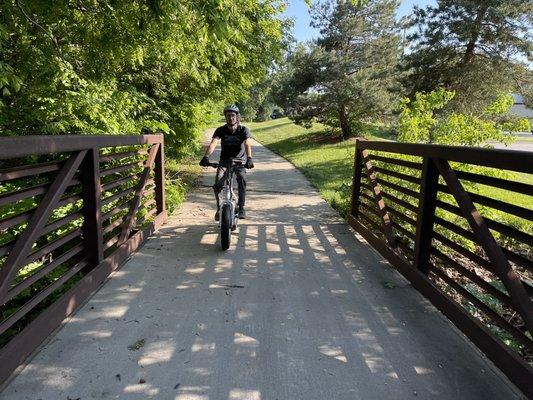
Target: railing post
column 159, row 178
column 427, row 203
column 356, row 182
column 92, row 213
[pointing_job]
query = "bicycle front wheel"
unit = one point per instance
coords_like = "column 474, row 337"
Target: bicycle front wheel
column 225, row 226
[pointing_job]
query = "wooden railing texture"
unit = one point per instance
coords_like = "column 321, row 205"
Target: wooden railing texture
column 458, row 223
column 72, row 209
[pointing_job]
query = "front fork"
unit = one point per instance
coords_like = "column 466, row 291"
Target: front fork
column 226, row 196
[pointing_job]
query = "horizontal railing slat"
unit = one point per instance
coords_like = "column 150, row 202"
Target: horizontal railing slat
column 518, row 259
column 121, row 155
column 398, row 175
column 371, row 222
column 405, row 231
column 399, row 201
column 113, row 225
column 496, row 204
column 28, row 170
column 35, row 300
column 149, row 203
column 396, row 161
column 150, row 213
column 6, row 247
column 53, row 245
column 489, row 312
column 514, row 257
column 472, row 276
column 373, row 210
column 463, row 251
column 513, row 186
column 116, row 210
column 401, row 216
column 11, row 197
column 398, row 188
column 513, row 160
column 118, row 195
column 120, row 168
column 61, row 222
column 119, row 182
column 494, row 225
column 21, row 146
column 73, row 198
column 112, row 241
column 16, row 219
column 43, row 271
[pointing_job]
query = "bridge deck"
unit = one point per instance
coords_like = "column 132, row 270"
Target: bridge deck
column 298, row 308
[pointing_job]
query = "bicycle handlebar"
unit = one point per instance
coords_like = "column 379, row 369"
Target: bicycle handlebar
column 232, row 163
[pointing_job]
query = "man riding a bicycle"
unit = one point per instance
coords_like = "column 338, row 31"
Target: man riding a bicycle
column 235, row 140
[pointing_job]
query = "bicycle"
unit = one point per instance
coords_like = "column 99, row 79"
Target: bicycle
column 227, row 203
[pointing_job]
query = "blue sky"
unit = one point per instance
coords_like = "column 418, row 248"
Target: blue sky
column 299, row 12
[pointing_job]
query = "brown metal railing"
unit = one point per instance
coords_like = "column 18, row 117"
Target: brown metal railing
column 72, row 209
column 471, row 254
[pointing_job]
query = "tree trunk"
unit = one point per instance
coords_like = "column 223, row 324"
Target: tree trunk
column 469, row 54
column 345, row 125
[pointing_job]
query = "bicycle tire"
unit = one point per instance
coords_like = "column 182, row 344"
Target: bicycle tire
column 225, row 227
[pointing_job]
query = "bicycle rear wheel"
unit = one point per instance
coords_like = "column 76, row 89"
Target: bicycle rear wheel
column 225, row 226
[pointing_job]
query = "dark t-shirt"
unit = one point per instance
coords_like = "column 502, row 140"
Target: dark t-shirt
column 232, row 143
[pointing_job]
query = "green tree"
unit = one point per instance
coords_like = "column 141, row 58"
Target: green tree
column 349, row 74
column 130, row 66
column 257, row 104
column 292, row 77
column 470, row 47
column 420, row 123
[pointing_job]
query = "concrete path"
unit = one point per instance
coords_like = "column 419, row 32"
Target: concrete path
column 518, row 145
column 299, row 308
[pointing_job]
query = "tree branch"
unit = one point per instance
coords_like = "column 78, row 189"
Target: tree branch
column 32, row 21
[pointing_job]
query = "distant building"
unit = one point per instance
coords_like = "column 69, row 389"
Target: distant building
column 519, row 108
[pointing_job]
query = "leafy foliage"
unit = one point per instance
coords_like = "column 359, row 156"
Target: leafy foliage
column 130, row 66
column 418, row 121
column 257, row 104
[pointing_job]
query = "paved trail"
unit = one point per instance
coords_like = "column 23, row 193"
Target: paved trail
column 299, row 308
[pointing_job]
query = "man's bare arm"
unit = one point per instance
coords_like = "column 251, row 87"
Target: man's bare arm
column 248, row 147
column 212, row 146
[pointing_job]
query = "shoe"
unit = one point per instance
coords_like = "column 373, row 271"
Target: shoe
column 241, row 214
column 217, row 216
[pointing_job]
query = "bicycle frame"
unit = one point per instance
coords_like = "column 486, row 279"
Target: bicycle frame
column 227, row 195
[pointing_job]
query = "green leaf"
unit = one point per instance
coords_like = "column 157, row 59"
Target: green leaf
column 388, row 285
